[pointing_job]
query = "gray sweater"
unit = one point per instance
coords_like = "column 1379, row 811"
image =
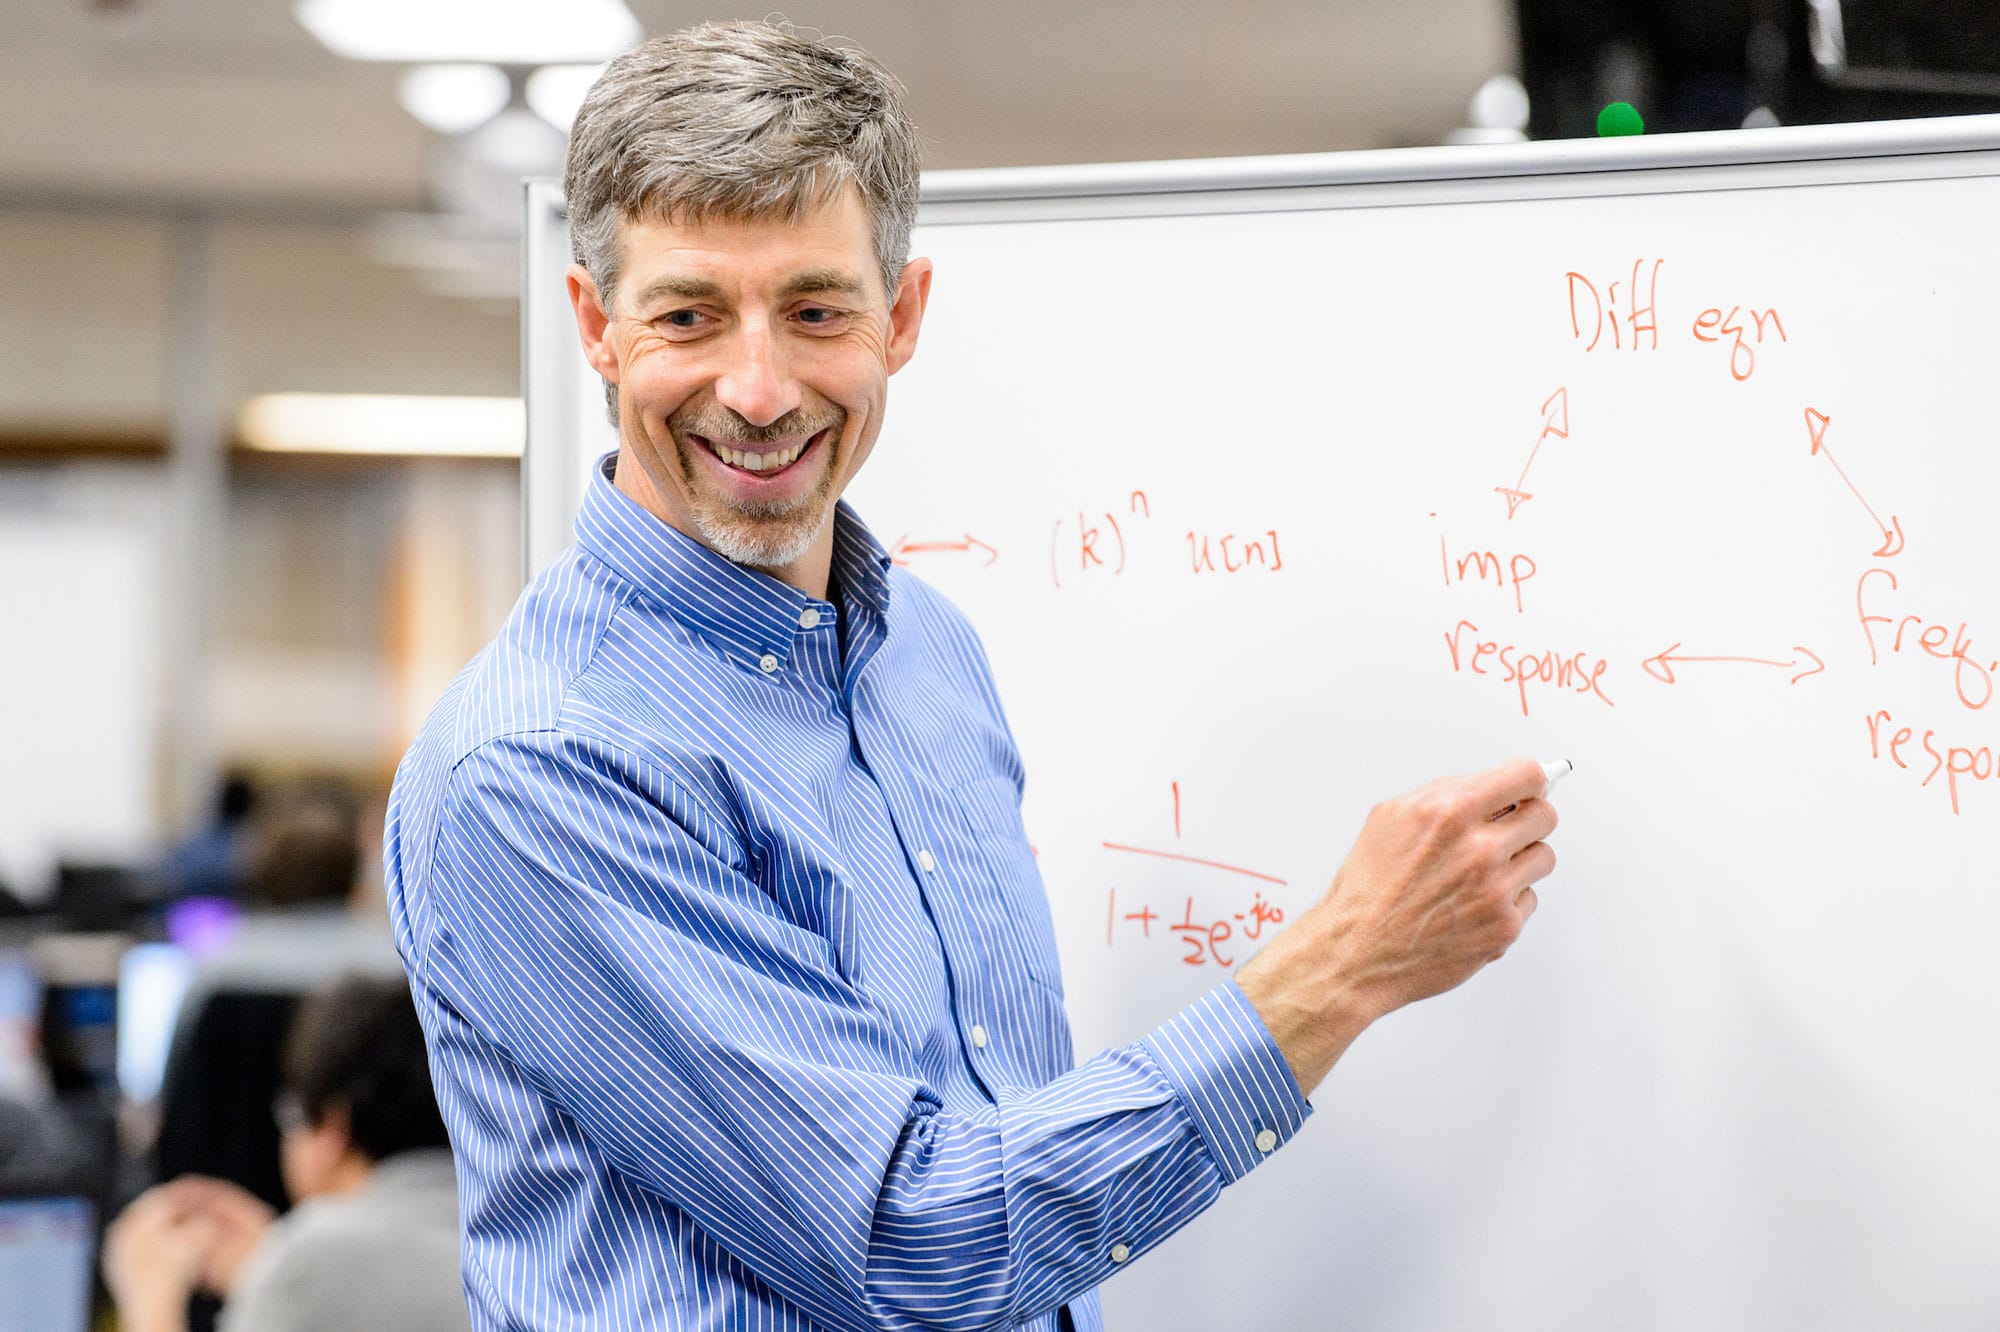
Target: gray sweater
column 383, row 1258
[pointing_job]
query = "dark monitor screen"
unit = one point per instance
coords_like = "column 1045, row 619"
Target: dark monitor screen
column 1936, row 45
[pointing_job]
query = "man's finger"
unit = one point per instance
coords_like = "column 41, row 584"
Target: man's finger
column 1529, row 822
column 1532, row 863
column 1499, row 790
column 1527, row 902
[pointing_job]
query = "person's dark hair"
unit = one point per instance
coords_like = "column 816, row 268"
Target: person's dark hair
column 307, row 851
column 235, row 799
column 356, row 1046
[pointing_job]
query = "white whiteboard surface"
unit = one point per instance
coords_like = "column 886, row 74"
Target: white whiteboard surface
column 78, row 682
column 1743, row 1071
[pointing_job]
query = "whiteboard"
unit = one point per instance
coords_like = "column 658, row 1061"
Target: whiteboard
column 1280, row 486
column 79, row 670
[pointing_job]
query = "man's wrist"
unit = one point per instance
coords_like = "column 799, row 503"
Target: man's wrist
column 1314, row 1012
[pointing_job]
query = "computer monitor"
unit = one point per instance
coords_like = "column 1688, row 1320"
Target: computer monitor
column 152, row 980
column 20, row 1012
column 47, row 1246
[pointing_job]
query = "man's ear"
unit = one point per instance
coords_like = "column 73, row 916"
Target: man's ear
column 906, row 314
column 593, row 322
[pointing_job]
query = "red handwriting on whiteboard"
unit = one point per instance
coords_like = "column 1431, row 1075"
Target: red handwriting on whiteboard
column 1593, row 312
column 1230, row 553
column 1093, row 543
column 1892, row 532
column 1972, row 681
column 1555, row 421
column 1087, row 546
column 1478, row 566
column 900, row 552
column 1803, row 660
column 1623, row 315
column 1574, row 672
column 1206, row 938
column 1957, row 762
column 1712, row 326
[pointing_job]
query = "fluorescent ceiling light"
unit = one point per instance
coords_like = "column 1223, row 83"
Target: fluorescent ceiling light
column 499, row 32
column 556, row 92
column 383, row 424
column 452, row 99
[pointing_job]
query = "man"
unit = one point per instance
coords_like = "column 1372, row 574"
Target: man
column 373, row 1242
column 709, row 873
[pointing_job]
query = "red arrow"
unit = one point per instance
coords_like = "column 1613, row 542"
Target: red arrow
column 1661, row 666
column 1892, row 531
column 1555, row 423
column 904, row 546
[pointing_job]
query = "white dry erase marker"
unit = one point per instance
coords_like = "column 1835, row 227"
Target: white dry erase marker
column 1551, row 774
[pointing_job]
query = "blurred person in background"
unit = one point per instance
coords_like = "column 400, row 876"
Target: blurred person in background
column 374, row 1241
column 310, row 923
column 310, row 916
column 210, row 863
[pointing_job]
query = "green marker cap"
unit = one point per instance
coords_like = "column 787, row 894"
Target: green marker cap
column 1620, row 118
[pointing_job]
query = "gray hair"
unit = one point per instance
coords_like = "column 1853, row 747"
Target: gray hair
column 738, row 120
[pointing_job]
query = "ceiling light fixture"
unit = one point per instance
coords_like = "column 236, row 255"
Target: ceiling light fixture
column 451, row 99
column 499, row 32
column 385, row 425
column 555, row 92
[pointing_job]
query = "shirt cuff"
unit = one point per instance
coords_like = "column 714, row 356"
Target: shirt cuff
column 1233, row 1079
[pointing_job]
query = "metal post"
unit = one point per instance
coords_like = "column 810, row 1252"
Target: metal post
column 197, row 482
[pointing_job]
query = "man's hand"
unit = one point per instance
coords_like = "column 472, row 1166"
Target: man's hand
column 1433, row 889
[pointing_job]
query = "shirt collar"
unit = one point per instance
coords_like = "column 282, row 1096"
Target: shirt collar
column 750, row 615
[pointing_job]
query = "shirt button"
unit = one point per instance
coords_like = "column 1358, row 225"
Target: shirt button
column 1119, row 1253
column 1267, row 1141
column 809, row 618
column 978, row 1037
column 927, row 861
column 767, row 663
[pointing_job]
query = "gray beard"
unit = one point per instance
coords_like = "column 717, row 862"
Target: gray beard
column 762, row 536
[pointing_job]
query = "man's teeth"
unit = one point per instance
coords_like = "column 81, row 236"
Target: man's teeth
column 760, row 462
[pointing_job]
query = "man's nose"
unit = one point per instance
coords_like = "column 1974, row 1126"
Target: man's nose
column 758, row 385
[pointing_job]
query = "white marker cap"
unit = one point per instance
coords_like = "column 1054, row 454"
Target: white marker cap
column 1555, row 772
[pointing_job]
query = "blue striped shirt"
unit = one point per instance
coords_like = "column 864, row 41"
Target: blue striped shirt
column 739, row 980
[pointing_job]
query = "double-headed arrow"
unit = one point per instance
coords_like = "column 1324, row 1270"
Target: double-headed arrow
column 1555, row 421
column 904, row 547
column 1892, row 531
column 1661, row 666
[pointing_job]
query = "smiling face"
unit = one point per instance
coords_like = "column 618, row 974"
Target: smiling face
column 751, row 358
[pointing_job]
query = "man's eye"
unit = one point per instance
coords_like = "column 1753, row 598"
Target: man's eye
column 682, row 319
column 817, row 316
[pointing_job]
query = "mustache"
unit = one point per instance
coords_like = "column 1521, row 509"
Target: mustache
column 723, row 426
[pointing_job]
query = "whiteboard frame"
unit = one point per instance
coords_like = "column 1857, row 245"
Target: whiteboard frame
column 1943, row 147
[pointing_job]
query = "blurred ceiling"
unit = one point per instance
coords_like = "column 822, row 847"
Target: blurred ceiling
column 228, row 105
